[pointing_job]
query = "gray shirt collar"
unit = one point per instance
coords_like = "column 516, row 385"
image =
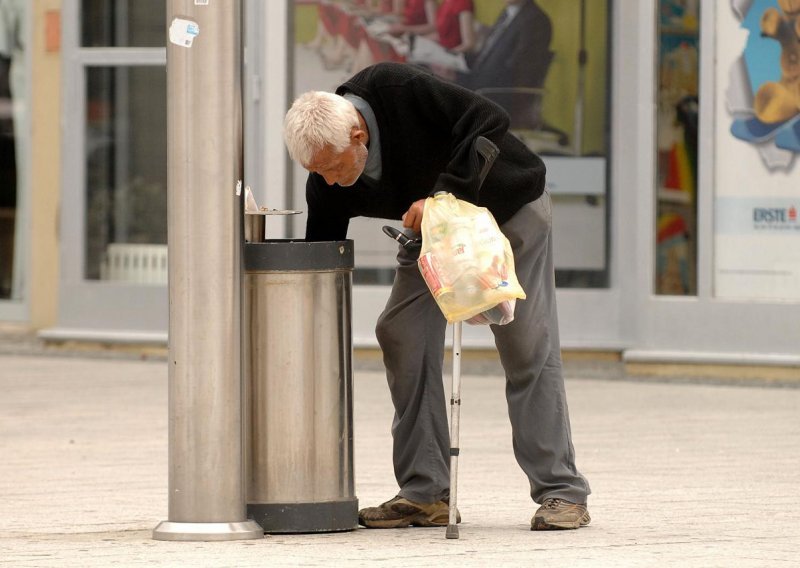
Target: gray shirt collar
column 372, row 169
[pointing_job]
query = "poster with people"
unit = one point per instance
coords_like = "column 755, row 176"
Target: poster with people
column 544, row 61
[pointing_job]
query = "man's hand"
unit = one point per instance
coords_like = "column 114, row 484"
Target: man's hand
column 412, row 219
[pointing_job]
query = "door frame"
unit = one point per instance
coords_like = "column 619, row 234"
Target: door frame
column 95, row 309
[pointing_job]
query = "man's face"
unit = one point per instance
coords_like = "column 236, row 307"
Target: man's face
column 343, row 167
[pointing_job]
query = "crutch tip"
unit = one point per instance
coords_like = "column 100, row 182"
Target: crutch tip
column 452, row 531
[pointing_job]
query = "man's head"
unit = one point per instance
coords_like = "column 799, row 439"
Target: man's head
column 324, row 133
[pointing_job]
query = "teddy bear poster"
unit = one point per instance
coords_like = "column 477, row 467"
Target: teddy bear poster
column 768, row 113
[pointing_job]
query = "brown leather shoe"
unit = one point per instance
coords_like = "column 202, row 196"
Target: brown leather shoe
column 400, row 512
column 560, row 514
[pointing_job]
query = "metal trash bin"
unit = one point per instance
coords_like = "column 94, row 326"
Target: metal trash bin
column 298, row 384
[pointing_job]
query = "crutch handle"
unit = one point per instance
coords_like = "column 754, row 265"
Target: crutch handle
column 488, row 151
column 405, row 242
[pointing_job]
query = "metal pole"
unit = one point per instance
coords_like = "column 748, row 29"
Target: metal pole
column 204, row 140
column 455, row 422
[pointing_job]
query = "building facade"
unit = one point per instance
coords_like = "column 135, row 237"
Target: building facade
column 676, row 186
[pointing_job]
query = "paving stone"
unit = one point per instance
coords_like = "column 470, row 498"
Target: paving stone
column 682, row 474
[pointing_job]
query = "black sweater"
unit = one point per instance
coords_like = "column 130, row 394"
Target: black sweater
column 427, row 128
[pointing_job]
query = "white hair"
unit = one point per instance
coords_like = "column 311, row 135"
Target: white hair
column 316, row 119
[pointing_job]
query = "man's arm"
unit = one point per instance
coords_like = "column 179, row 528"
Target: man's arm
column 466, row 116
column 327, row 220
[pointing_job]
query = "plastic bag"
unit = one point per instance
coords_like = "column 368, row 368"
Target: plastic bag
column 467, row 262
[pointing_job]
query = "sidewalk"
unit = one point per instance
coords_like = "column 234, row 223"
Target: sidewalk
column 682, row 474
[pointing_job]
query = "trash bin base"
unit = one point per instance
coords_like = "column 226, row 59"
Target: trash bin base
column 305, row 517
column 207, row 532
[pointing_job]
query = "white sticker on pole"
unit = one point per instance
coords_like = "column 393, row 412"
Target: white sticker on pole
column 201, row 2
column 182, row 32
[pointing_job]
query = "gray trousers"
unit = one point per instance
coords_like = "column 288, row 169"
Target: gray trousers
column 411, row 333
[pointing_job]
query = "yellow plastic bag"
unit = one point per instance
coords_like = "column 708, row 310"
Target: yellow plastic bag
column 467, row 262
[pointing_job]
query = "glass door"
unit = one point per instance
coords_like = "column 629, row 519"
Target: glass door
column 14, row 141
column 114, row 217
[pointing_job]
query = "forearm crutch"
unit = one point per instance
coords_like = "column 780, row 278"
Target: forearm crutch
column 488, row 151
column 455, row 417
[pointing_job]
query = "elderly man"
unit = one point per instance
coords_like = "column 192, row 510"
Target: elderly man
column 387, row 139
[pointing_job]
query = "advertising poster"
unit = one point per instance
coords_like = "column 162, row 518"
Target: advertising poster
column 676, row 141
column 544, row 61
column 757, row 231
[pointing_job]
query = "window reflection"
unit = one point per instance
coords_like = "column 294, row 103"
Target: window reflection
column 126, row 171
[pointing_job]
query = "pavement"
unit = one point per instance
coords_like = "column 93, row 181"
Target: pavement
column 683, row 473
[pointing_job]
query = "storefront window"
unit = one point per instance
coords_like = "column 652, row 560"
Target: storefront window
column 13, row 138
column 123, row 23
column 126, row 174
column 676, row 126
column 544, row 61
